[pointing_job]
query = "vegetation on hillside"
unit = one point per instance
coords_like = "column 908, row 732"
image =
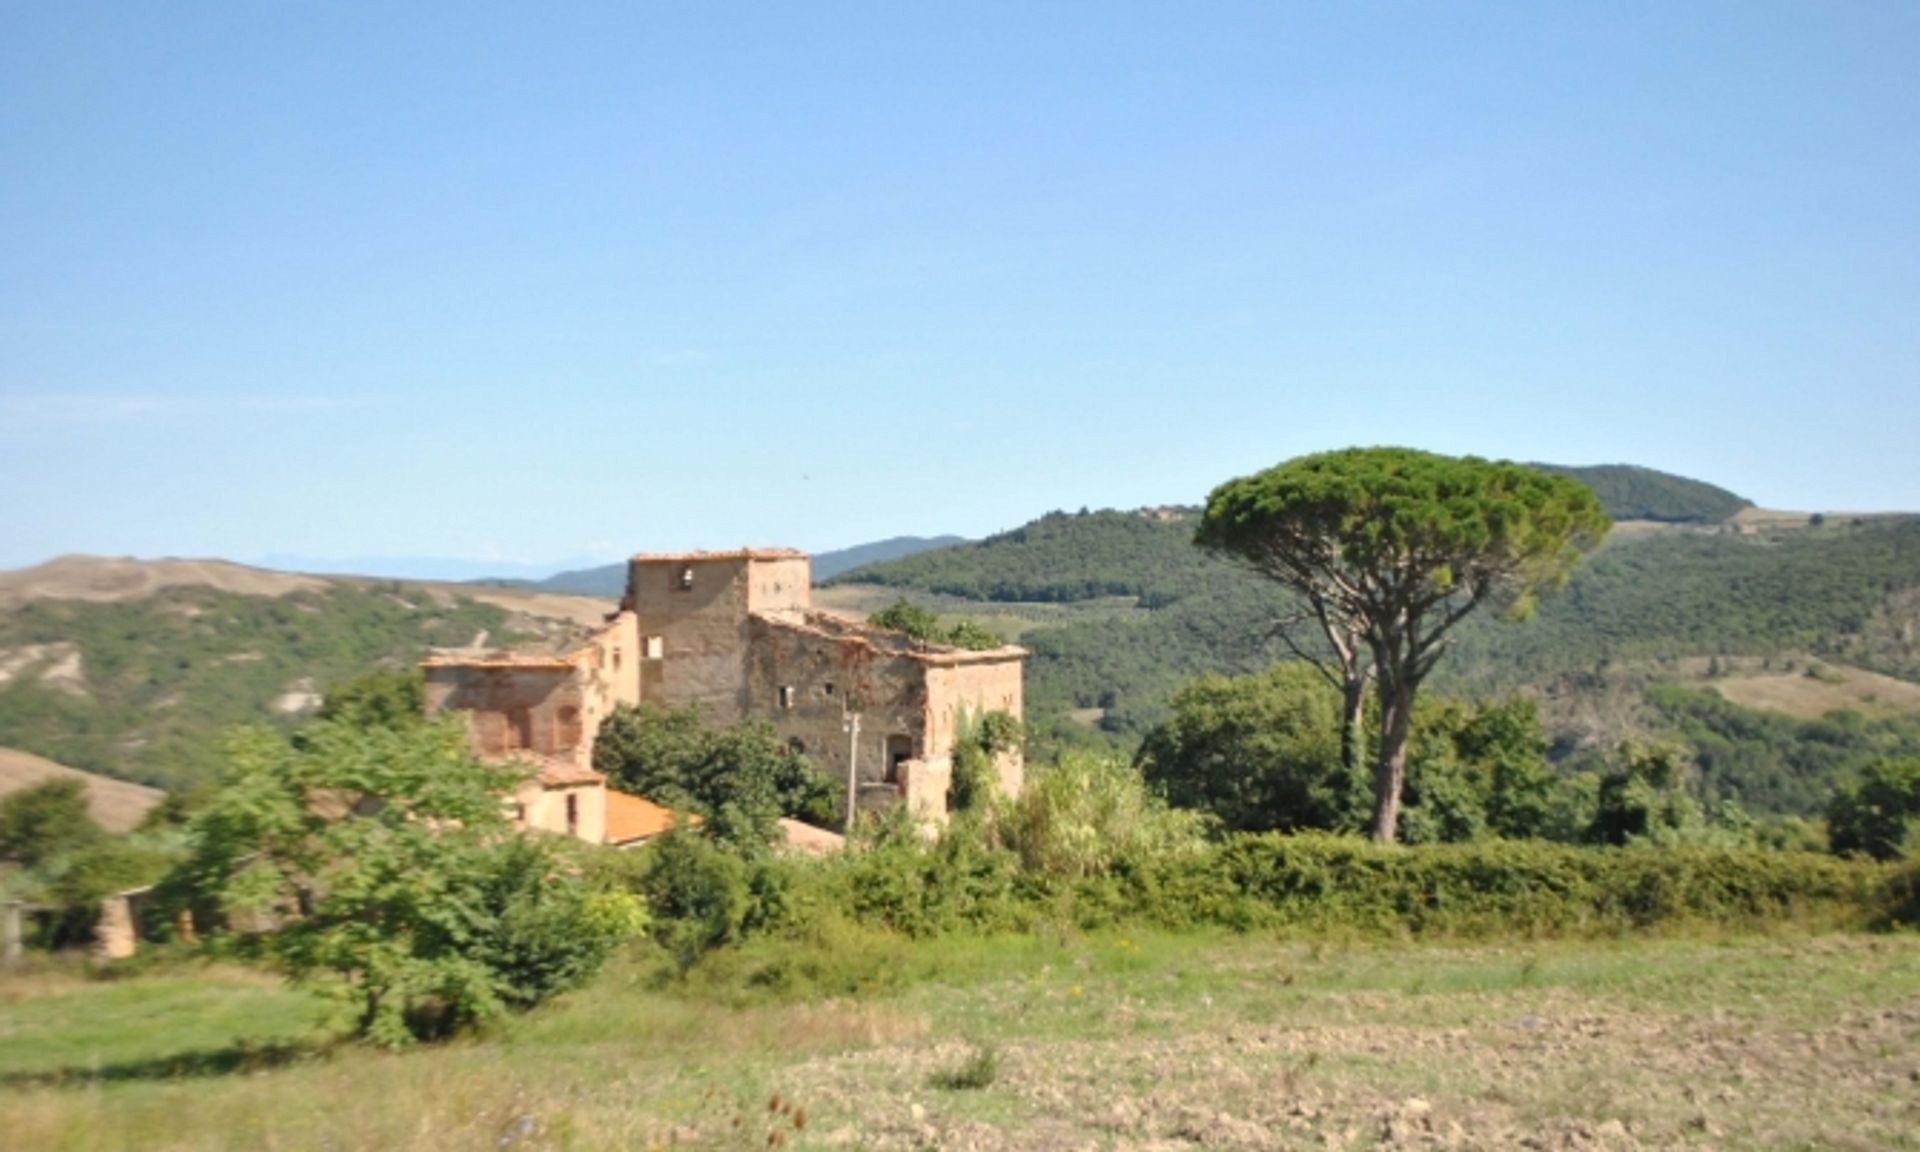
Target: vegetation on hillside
column 1629, row 492
column 162, row 676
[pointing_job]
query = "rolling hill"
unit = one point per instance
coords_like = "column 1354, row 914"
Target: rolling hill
column 115, row 805
column 131, row 668
column 1119, row 609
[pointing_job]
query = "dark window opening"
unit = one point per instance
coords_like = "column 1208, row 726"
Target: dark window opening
column 786, row 696
column 573, row 814
column 899, row 751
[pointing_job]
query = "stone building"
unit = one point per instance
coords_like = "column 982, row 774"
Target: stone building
column 735, row 635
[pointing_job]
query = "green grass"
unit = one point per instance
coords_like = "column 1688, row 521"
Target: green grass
column 1107, row 1039
column 57, row 1025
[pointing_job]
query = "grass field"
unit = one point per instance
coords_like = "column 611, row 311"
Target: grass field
column 1149, row 1041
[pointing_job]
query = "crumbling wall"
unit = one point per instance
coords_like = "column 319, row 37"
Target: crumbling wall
column 512, row 706
column 779, row 583
column 975, row 683
column 609, row 673
column 808, row 681
column 691, row 615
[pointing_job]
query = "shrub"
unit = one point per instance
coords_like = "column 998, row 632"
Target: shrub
column 381, row 857
column 1880, row 815
column 1087, row 813
column 47, row 820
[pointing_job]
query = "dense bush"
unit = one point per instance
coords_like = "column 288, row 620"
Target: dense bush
column 46, row 821
column 379, row 863
column 1880, row 815
column 742, row 779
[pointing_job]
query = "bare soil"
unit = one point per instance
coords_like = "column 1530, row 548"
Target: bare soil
column 115, row 805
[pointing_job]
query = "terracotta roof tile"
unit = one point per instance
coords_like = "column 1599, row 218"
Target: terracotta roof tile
column 629, row 818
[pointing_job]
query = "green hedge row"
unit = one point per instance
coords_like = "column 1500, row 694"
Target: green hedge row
column 1329, row 884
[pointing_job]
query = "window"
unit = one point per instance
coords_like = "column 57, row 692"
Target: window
column 827, row 687
column 616, row 659
column 899, row 751
column 653, row 647
column 573, row 814
column 520, row 813
column 686, row 578
column 786, row 695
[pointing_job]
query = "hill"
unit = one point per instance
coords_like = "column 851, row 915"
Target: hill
column 610, row 580
column 1629, row 492
column 115, row 805
column 1066, row 557
column 131, row 668
column 1119, row 609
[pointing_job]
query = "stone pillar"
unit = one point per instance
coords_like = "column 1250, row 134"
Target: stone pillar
column 10, row 931
column 113, row 936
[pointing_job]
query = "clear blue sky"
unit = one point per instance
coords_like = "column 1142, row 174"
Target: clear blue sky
column 541, row 283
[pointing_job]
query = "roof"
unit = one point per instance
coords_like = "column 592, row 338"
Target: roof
column 808, row 840
column 630, row 818
column 848, row 629
column 724, row 554
column 559, row 771
column 450, row 658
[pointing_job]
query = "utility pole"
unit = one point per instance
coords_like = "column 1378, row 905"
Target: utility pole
column 852, row 727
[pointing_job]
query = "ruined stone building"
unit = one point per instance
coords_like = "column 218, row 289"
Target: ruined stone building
column 734, row 634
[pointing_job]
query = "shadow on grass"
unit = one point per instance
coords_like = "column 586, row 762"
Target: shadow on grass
column 234, row 1059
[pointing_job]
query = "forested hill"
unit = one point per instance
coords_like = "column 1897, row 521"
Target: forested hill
column 1061, row 558
column 1119, row 609
column 1629, row 492
column 1065, row 557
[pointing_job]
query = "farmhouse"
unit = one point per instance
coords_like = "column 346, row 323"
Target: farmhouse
column 735, row 635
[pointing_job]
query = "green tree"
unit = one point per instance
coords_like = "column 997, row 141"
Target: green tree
column 383, row 698
column 1880, row 815
column 1258, row 752
column 1644, row 797
column 382, row 857
column 742, row 779
column 46, row 821
column 981, row 738
column 1397, row 546
column 905, row 616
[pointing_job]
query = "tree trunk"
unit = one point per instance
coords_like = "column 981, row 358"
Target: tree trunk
column 1353, row 725
column 1390, row 770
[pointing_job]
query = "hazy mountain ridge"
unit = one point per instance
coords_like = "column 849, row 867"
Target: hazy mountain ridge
column 610, row 580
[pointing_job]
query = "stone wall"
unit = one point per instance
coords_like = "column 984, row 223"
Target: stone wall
column 803, row 679
column 545, row 806
column 512, row 705
column 692, row 620
column 975, row 683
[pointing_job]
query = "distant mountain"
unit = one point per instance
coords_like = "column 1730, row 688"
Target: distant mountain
column 419, row 567
column 828, row 565
column 610, row 580
column 1630, row 492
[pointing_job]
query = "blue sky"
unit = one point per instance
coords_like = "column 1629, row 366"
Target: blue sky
column 546, row 283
